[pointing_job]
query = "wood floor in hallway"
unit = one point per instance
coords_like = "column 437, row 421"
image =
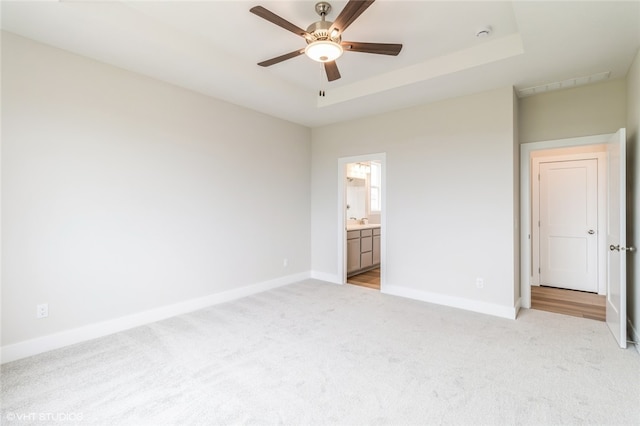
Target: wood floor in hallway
column 568, row 302
column 369, row 279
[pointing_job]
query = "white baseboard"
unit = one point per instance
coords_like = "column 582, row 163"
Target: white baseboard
column 42, row 344
column 451, row 301
column 323, row 276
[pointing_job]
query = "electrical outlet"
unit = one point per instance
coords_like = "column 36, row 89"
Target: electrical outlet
column 480, row 282
column 42, row 310
column 285, row 262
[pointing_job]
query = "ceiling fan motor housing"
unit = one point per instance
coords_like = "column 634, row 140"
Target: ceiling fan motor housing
column 320, row 31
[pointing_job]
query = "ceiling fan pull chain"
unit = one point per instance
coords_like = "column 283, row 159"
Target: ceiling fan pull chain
column 321, row 92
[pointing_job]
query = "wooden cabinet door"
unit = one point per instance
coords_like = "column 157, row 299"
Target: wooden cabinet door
column 365, row 244
column 366, row 259
column 376, row 249
column 353, row 255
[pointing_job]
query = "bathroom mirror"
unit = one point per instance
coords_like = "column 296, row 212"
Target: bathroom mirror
column 356, row 198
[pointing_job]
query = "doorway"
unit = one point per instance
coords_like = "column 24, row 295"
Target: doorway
column 361, row 205
column 363, row 210
column 568, row 229
column 555, row 153
column 612, row 265
column 568, row 208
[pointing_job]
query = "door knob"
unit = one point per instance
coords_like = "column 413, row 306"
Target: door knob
column 591, row 232
column 618, row 248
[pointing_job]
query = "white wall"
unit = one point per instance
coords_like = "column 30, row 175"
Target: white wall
column 122, row 194
column 582, row 111
column 450, row 198
column 633, row 192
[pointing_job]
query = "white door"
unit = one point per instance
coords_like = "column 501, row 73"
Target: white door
column 616, row 239
column 569, row 224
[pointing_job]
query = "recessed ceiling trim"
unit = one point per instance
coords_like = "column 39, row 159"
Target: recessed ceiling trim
column 485, row 53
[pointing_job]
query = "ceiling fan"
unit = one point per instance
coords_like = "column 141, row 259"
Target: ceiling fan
column 324, row 38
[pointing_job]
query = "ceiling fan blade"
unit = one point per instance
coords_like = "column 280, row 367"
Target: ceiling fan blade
column 350, row 13
column 281, row 58
column 379, row 48
column 275, row 19
column 331, row 68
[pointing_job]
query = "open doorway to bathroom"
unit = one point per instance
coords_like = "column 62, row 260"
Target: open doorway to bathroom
column 363, row 228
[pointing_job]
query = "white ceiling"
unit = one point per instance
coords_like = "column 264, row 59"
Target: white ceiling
column 212, row 47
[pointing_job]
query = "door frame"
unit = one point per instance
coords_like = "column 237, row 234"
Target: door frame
column 526, row 149
column 342, row 213
column 548, row 156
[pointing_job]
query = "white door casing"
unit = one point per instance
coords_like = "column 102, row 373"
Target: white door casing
column 568, row 224
column 616, row 304
column 528, row 251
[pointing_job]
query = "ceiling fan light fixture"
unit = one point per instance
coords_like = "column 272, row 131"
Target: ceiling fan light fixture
column 324, row 50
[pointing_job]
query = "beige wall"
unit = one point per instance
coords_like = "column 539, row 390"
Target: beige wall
column 590, row 110
column 582, row 111
column 450, row 197
column 633, row 200
column 122, row 194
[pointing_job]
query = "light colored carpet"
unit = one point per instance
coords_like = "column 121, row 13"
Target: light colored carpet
column 316, row 353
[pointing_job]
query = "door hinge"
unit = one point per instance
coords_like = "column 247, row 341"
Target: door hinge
column 539, row 270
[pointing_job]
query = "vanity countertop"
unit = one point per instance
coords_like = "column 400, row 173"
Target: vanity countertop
column 357, row 227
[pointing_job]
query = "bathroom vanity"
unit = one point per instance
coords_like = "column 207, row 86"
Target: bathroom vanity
column 363, row 248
